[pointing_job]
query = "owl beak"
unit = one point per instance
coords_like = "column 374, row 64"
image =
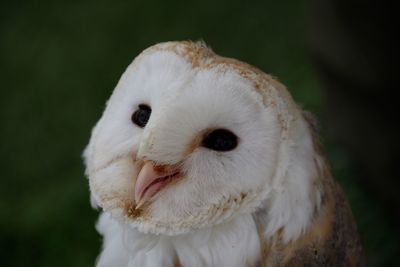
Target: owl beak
column 151, row 179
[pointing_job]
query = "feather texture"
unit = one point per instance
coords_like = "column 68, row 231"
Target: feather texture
column 270, row 201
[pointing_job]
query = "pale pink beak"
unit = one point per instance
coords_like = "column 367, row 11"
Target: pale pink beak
column 151, row 179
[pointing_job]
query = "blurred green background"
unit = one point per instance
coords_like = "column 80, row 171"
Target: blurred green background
column 59, row 62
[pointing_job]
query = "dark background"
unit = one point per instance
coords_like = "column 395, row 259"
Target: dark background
column 59, row 62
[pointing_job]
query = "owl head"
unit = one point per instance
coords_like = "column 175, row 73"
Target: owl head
column 190, row 139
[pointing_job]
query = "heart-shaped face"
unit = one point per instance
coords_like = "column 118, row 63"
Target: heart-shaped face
column 188, row 139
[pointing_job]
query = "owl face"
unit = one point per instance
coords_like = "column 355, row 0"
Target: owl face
column 186, row 141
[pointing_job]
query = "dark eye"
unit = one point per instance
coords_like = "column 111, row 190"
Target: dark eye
column 141, row 116
column 220, row 140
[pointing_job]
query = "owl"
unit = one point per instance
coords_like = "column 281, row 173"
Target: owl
column 202, row 160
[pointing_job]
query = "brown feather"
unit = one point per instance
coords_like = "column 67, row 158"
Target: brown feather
column 330, row 240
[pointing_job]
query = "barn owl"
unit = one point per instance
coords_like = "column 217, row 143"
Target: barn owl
column 202, row 160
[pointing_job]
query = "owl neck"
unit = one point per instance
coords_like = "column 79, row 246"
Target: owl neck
column 234, row 243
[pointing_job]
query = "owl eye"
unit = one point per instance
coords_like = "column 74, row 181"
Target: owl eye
column 220, row 140
column 141, row 116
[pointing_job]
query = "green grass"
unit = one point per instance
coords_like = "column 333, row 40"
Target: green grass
column 59, row 63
